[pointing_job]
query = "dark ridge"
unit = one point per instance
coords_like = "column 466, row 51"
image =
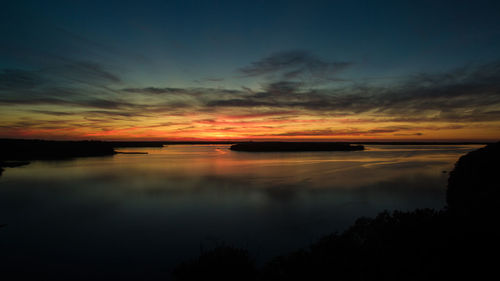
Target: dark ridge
column 16, row 149
column 455, row 243
column 294, row 146
column 473, row 192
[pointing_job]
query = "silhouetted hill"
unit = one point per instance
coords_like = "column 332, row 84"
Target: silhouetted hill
column 294, row 146
column 461, row 242
column 473, row 191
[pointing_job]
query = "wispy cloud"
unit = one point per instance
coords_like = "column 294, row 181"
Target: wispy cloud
column 87, row 72
column 18, row 79
column 51, row 112
column 342, row 132
column 296, row 64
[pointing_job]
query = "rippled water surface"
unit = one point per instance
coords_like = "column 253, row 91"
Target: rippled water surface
column 132, row 215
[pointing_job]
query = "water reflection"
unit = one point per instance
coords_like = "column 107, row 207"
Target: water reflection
column 131, row 214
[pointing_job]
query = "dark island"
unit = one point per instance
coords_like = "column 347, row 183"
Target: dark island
column 294, row 146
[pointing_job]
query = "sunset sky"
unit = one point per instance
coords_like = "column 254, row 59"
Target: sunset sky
column 255, row 70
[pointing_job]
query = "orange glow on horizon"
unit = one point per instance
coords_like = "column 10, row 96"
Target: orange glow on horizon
column 240, row 125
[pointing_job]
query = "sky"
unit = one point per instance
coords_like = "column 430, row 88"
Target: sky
column 250, row 70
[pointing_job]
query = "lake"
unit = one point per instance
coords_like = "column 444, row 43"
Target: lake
column 133, row 216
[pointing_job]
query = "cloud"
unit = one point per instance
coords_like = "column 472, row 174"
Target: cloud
column 466, row 94
column 111, row 113
column 56, row 76
column 292, row 63
column 18, row 79
column 370, row 132
column 414, row 134
column 214, row 79
column 86, row 71
column 295, row 65
column 283, row 87
column 105, row 103
column 260, row 114
column 342, row 132
column 240, row 103
column 195, row 92
column 54, row 113
column 91, row 103
column 65, row 83
column 156, row 90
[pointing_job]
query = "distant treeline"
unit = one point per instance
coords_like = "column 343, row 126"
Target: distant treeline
column 15, row 149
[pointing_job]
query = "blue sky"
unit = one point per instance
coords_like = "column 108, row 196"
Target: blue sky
column 176, row 42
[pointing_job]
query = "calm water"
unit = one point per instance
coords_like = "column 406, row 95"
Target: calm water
column 131, row 216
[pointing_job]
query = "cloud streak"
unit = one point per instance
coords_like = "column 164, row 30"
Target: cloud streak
column 295, row 64
column 17, row 79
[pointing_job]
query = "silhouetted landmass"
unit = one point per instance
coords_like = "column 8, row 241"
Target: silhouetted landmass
column 459, row 242
column 12, row 149
column 473, row 192
column 294, row 146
